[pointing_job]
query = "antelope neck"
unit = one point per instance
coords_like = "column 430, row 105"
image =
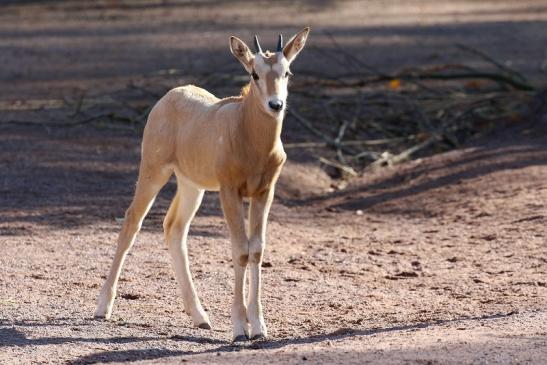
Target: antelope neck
column 261, row 129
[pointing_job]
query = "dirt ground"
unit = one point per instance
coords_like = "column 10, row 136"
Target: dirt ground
column 441, row 260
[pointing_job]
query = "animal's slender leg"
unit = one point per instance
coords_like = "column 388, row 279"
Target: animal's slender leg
column 232, row 205
column 176, row 225
column 258, row 216
column 149, row 184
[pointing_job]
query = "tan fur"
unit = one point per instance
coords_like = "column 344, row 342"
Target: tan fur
column 230, row 145
column 214, row 142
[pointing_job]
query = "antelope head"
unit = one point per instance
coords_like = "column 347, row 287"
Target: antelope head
column 269, row 71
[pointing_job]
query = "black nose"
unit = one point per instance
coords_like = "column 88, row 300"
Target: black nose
column 276, row 105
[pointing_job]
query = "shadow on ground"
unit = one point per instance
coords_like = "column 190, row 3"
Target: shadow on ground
column 399, row 186
column 9, row 336
column 82, row 176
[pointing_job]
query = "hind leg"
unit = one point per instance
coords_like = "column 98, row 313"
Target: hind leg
column 149, row 184
column 176, row 225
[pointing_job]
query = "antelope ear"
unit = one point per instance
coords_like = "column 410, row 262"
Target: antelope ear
column 240, row 50
column 295, row 45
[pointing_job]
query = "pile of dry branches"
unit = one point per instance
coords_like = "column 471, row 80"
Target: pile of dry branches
column 368, row 118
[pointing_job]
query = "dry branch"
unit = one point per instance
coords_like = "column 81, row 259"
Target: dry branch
column 344, row 168
column 489, row 59
column 369, row 142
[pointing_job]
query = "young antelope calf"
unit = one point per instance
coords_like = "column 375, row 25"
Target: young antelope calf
column 230, row 145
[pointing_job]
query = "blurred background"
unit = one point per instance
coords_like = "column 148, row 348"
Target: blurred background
column 414, row 192
column 377, row 77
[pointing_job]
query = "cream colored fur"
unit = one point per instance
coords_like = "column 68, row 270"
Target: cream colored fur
column 228, row 145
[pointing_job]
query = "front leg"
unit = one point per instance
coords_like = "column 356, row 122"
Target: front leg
column 232, row 206
column 258, row 216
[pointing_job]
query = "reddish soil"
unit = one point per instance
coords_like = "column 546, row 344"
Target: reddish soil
column 440, row 260
column 449, row 249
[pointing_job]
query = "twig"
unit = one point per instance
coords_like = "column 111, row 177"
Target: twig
column 347, row 169
column 358, row 62
column 489, row 59
column 338, row 140
column 54, row 124
column 405, row 155
column 371, row 155
column 480, row 75
column 424, row 75
column 351, row 57
column 369, row 142
column 306, row 123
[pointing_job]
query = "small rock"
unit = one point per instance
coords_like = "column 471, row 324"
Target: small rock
column 489, row 237
column 130, row 296
column 407, row 274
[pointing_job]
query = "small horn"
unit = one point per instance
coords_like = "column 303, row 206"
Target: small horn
column 280, row 43
column 258, row 49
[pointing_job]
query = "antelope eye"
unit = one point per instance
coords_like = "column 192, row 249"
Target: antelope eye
column 288, row 73
column 254, row 75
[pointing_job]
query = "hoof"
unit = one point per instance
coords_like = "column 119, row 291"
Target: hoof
column 204, row 325
column 240, row 338
column 102, row 312
column 257, row 337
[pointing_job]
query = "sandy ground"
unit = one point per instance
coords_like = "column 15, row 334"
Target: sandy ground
column 440, row 260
